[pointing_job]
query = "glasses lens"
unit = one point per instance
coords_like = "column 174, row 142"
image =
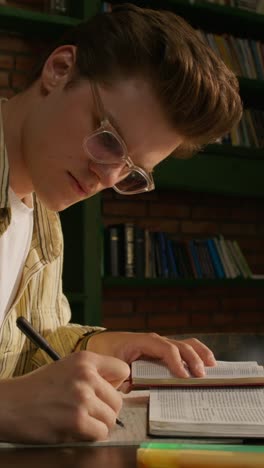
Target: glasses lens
column 105, row 148
column 134, row 182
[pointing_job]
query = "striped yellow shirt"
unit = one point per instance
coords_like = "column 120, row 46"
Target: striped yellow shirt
column 39, row 298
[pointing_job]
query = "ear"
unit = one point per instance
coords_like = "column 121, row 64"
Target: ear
column 58, row 68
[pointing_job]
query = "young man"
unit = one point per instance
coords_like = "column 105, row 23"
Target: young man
column 114, row 98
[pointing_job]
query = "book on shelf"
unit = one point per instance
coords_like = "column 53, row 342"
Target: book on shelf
column 227, row 402
column 112, row 251
column 132, row 251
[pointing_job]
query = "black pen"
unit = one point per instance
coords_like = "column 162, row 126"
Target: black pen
column 35, row 337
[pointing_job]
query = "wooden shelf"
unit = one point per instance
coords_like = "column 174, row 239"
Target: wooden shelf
column 218, row 169
column 171, row 282
column 34, row 23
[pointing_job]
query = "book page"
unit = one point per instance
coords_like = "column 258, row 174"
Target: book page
column 152, row 369
column 203, row 406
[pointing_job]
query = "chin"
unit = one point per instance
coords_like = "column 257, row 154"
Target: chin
column 55, row 205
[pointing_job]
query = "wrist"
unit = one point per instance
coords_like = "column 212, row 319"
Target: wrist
column 83, row 341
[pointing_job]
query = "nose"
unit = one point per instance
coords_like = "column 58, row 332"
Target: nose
column 108, row 174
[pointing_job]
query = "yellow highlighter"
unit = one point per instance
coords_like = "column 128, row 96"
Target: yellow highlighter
column 155, row 455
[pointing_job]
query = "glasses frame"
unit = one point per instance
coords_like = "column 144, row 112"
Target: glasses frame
column 106, row 126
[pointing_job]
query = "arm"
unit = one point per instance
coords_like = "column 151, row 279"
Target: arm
column 131, row 346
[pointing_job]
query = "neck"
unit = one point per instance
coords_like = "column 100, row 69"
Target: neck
column 13, row 116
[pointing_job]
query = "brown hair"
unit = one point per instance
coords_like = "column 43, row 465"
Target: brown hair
column 198, row 94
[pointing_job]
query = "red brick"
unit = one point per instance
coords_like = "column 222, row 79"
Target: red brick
column 117, row 307
column 19, row 80
column 6, row 61
column 223, row 318
column 201, row 319
column 251, row 317
column 124, row 292
column 209, row 213
column 153, row 306
column 128, row 323
column 4, row 79
column 198, row 228
column 243, row 303
column 255, row 259
column 199, row 305
column 15, row 43
column 250, row 213
column 260, row 229
column 24, row 63
column 251, row 244
column 169, row 210
column 238, row 229
column 132, row 209
column 7, row 92
column 171, row 322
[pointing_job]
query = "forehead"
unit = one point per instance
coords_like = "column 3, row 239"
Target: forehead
column 135, row 112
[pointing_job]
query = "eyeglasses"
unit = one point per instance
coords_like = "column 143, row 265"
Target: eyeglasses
column 105, row 146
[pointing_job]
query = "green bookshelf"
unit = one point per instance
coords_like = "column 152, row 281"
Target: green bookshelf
column 44, row 25
column 188, row 283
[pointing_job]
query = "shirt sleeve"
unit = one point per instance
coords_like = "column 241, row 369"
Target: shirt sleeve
column 64, row 339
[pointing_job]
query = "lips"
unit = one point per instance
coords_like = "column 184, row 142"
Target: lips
column 78, row 186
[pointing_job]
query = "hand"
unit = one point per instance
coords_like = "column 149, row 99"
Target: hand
column 69, row 400
column 175, row 353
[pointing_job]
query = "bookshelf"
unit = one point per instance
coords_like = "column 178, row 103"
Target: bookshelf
column 31, row 23
column 219, row 168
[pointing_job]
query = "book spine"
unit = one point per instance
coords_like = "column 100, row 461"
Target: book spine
column 189, row 259
column 157, row 255
column 220, row 253
column 201, row 252
column 234, row 258
column 163, row 254
column 215, row 259
column 173, row 269
column 148, row 259
column 242, row 259
column 112, row 251
column 129, row 250
column 195, row 259
column 177, row 248
column 225, row 251
column 139, row 246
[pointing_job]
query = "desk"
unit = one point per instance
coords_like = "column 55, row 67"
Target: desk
column 81, row 457
column 229, row 346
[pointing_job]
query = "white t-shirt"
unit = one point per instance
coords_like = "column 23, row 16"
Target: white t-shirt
column 14, row 248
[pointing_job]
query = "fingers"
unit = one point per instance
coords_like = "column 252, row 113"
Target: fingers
column 181, row 356
column 112, row 369
column 202, row 350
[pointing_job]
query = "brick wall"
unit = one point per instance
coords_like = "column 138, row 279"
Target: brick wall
column 17, row 57
column 190, row 309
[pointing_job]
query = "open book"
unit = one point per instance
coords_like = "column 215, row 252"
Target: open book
column 207, row 412
column 227, row 402
column 151, row 373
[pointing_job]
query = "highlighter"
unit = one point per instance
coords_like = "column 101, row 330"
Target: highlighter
column 199, row 456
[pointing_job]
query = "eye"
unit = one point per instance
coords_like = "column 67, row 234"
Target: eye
column 111, row 144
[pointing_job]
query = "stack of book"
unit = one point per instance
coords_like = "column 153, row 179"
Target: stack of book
column 227, row 402
column 134, row 252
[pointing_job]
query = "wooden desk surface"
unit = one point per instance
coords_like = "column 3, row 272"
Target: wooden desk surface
column 80, row 457
column 226, row 346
